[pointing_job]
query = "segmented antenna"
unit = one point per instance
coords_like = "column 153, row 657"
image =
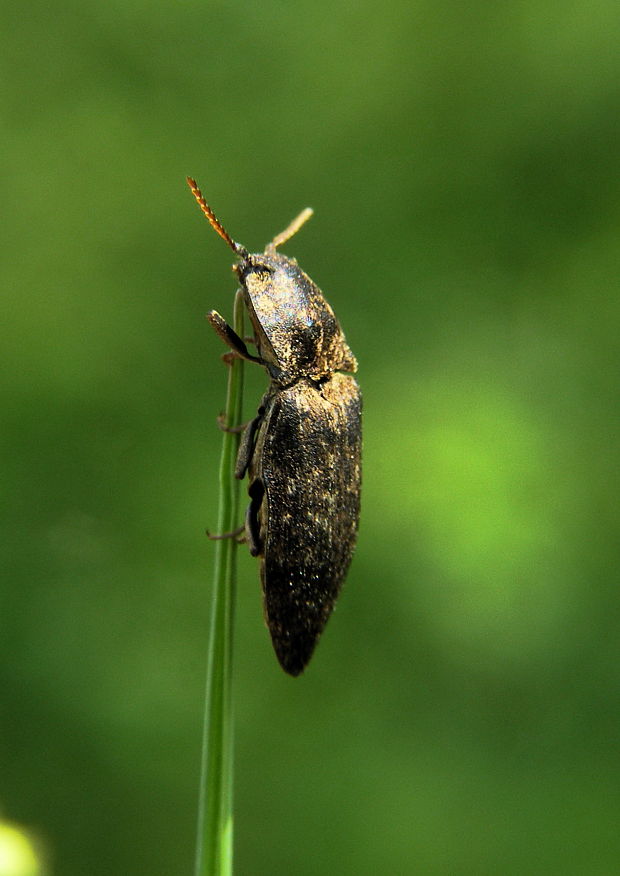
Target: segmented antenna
column 215, row 223
column 290, row 230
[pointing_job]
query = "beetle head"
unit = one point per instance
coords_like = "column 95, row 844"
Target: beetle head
column 296, row 332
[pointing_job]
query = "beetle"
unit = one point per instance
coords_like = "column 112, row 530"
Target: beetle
column 302, row 450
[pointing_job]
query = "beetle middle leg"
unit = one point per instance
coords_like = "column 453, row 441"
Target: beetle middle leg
column 246, row 445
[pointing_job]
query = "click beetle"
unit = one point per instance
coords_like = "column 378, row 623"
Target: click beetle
column 302, row 451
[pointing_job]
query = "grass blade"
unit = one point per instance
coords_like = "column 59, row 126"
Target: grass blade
column 214, row 845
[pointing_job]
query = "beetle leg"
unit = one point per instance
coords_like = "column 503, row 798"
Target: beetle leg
column 232, row 430
column 231, row 338
column 246, row 445
column 252, row 523
column 238, row 534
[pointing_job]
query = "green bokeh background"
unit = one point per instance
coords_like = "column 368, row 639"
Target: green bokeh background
column 461, row 713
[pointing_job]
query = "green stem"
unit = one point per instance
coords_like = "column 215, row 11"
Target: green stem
column 215, row 820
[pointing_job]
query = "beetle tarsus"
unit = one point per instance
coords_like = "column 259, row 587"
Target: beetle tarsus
column 231, row 430
column 238, row 534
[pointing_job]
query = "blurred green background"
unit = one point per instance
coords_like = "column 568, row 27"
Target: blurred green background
column 461, row 713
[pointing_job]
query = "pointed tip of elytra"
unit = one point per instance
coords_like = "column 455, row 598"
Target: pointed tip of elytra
column 294, row 657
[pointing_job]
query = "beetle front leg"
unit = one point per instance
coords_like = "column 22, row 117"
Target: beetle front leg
column 231, row 338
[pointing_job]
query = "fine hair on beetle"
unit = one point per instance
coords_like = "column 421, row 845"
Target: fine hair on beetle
column 302, row 451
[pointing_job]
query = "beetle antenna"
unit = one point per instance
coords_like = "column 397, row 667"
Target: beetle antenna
column 237, row 248
column 292, row 229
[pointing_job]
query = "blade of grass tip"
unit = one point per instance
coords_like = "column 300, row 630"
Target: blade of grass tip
column 215, row 819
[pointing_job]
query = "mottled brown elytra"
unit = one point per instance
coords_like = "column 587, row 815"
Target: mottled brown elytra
column 302, row 451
